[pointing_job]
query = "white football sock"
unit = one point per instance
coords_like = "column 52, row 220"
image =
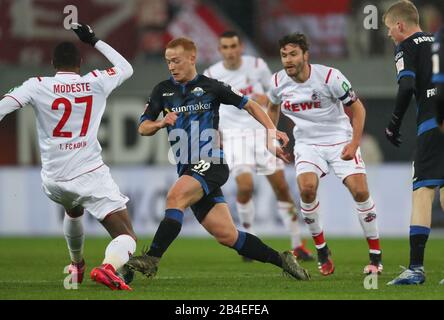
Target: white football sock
column 73, row 231
column 246, row 213
column 287, row 213
column 367, row 218
column 119, row 250
column 310, row 212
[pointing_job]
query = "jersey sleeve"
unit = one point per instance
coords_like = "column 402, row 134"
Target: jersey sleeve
column 23, row 94
column 110, row 78
column 272, row 93
column 113, row 77
column 405, row 61
column 153, row 106
column 341, row 88
column 8, row 105
column 229, row 95
column 438, row 58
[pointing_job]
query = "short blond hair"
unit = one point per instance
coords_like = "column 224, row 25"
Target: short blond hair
column 403, row 10
column 185, row 43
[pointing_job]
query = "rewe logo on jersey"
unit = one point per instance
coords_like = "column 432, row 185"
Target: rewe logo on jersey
column 193, row 107
column 247, row 91
column 303, row 106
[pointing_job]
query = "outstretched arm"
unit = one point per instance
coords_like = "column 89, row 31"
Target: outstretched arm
column 115, row 58
column 86, row 34
column 8, row 105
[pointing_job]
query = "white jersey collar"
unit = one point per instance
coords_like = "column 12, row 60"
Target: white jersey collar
column 66, row 74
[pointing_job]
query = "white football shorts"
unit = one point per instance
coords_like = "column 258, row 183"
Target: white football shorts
column 320, row 158
column 95, row 191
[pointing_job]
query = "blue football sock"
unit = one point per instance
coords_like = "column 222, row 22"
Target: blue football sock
column 418, row 239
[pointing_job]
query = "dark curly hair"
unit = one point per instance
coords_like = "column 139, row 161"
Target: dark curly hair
column 298, row 39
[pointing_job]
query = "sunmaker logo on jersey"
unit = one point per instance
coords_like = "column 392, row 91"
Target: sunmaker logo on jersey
column 193, row 107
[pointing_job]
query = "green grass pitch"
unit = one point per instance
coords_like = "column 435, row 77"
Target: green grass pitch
column 199, row 268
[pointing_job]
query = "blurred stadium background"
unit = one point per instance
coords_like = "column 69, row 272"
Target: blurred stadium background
column 139, row 29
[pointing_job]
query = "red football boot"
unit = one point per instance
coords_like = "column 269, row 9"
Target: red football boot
column 302, row 253
column 327, row 268
column 106, row 275
column 325, row 263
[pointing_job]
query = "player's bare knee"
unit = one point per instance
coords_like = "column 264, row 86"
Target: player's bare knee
column 282, row 192
column 244, row 194
column 226, row 237
column 360, row 195
column 228, row 241
column 308, row 193
column 171, row 200
column 245, row 186
column 176, row 200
